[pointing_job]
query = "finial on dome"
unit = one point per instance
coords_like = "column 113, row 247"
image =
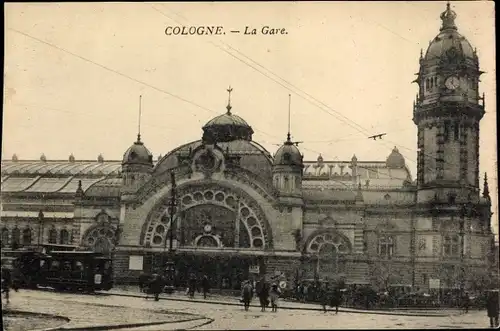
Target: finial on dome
column 228, row 107
column 395, row 149
column 486, row 190
column 43, row 158
column 448, row 18
column 71, row 158
column 139, row 123
column 100, row 158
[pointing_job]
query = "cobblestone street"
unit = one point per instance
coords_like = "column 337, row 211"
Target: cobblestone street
column 85, row 311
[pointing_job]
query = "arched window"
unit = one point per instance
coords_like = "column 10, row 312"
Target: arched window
column 16, row 237
column 451, row 245
column 64, row 236
column 27, row 236
column 52, row 236
column 385, row 247
column 5, row 237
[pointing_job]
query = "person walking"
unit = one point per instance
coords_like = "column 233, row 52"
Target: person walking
column 274, row 293
column 192, row 285
column 323, row 296
column 156, row 286
column 6, row 283
column 305, row 293
column 466, row 302
column 205, row 284
column 263, row 293
column 492, row 308
column 336, row 300
column 246, row 294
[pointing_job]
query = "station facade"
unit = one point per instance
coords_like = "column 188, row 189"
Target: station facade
column 241, row 210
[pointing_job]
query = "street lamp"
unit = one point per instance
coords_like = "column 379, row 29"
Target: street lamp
column 170, row 265
column 40, row 229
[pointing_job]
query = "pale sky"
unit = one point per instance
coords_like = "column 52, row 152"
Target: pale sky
column 74, row 73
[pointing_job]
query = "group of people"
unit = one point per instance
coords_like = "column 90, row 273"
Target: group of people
column 155, row 284
column 267, row 292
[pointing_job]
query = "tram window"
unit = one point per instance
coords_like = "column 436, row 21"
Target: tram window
column 78, row 266
column 67, row 266
column 54, row 265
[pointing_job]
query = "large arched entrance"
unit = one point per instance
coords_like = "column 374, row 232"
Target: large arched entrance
column 328, row 252
column 216, row 231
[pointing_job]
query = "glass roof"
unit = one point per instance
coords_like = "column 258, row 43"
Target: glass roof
column 17, row 184
column 48, row 185
column 61, row 167
column 73, row 184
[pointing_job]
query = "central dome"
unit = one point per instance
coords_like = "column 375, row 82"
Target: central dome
column 226, row 127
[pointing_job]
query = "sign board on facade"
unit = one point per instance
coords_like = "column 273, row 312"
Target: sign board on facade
column 254, row 269
column 135, row 262
column 434, row 283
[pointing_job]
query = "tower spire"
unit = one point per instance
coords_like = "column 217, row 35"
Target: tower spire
column 139, row 122
column 288, row 136
column 486, row 190
column 228, row 107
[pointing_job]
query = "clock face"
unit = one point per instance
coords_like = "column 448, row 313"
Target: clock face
column 452, row 83
column 208, row 228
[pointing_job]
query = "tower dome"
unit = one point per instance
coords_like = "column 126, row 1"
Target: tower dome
column 395, row 159
column 449, row 42
column 288, row 154
column 227, row 127
column 138, row 154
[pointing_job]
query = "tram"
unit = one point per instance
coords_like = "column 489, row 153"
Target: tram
column 65, row 270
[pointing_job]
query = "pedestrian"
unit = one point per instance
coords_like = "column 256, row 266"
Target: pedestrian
column 466, row 302
column 192, row 285
column 246, row 294
column 323, row 296
column 156, row 286
column 305, row 293
column 492, row 308
column 274, row 293
column 263, row 293
column 205, row 284
column 336, row 299
column 6, row 283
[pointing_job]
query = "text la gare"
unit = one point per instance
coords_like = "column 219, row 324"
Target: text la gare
column 265, row 30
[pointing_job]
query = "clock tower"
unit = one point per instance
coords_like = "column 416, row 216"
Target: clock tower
column 447, row 112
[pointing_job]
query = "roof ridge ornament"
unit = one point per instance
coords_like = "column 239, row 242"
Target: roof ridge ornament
column 228, row 107
column 448, row 18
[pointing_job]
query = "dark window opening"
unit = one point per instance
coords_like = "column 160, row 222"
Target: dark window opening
column 457, row 131
column 446, row 130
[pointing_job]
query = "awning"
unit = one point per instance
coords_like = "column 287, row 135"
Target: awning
column 34, row 214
